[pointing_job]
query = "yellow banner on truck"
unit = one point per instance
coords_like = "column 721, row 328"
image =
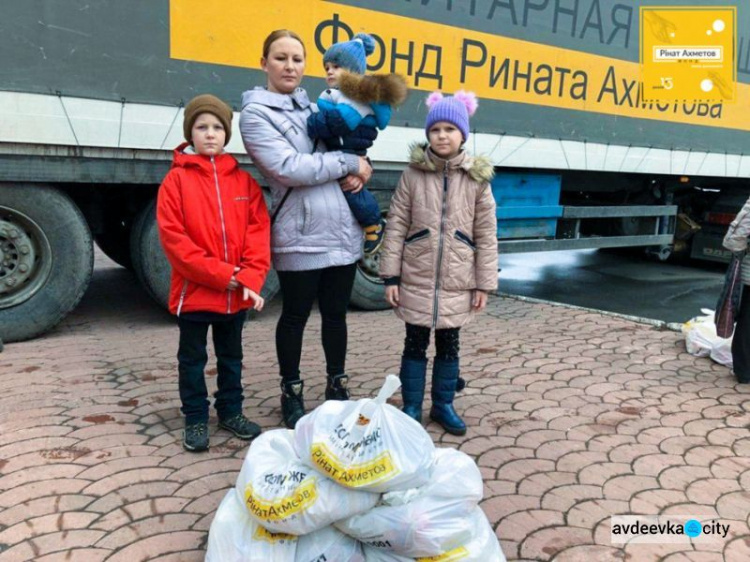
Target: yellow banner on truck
column 438, row 56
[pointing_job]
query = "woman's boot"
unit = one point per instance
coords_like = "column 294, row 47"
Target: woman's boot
column 413, row 373
column 292, row 403
column 444, row 380
column 336, row 387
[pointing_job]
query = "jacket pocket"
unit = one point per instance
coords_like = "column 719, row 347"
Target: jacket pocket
column 417, row 260
column 459, row 270
column 306, row 216
column 461, row 237
column 417, row 236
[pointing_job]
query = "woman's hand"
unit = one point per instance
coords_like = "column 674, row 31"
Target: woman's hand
column 258, row 301
column 478, row 300
column 365, row 170
column 392, row 295
column 352, row 184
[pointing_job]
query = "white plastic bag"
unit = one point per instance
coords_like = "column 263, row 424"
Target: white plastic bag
column 375, row 555
column 328, row 544
column 286, row 496
column 701, row 339
column 366, row 444
column 482, row 547
column 426, row 521
column 234, row 537
column 699, row 333
column 721, row 352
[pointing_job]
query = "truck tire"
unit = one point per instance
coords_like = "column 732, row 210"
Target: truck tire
column 115, row 243
column 150, row 265
column 46, row 259
column 271, row 287
column 368, row 292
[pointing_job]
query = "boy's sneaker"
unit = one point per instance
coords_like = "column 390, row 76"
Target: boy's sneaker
column 196, row 437
column 292, row 403
column 241, row 427
column 336, row 388
column 374, row 237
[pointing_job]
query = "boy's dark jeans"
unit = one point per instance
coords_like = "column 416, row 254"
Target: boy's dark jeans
column 192, row 358
column 364, row 206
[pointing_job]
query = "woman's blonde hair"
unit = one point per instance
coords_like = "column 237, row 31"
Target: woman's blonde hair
column 278, row 34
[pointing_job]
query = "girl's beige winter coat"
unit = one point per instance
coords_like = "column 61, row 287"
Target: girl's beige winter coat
column 441, row 238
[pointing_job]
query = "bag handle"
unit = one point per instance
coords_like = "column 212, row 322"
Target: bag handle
column 289, row 190
column 281, row 204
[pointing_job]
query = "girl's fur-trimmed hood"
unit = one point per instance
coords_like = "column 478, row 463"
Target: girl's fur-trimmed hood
column 479, row 168
column 373, row 88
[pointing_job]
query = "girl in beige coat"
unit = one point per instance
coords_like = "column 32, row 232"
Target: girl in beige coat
column 439, row 257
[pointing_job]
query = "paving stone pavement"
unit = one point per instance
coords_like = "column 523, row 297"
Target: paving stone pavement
column 573, row 416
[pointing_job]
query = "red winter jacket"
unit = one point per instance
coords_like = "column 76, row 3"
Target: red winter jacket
column 212, row 218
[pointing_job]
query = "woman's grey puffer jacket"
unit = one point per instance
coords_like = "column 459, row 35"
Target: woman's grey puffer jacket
column 736, row 238
column 315, row 227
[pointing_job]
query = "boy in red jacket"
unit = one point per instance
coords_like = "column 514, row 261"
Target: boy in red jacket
column 215, row 231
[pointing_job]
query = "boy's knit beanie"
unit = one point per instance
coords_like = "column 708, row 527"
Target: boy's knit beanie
column 455, row 110
column 351, row 55
column 206, row 103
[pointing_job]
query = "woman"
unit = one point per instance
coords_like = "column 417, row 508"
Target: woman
column 736, row 241
column 316, row 241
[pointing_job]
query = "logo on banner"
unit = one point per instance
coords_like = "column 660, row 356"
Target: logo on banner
column 688, row 54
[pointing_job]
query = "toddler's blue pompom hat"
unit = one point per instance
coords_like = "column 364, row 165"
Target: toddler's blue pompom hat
column 351, row 55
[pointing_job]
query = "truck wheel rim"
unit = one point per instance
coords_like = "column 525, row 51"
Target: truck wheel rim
column 25, row 257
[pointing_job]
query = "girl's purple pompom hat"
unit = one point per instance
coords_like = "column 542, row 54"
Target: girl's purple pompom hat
column 456, row 110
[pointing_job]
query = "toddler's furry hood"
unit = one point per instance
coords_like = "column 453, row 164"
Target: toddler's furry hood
column 374, row 88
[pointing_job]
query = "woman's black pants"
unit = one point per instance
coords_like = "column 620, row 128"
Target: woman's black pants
column 332, row 287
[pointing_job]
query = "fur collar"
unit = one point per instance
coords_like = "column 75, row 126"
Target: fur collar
column 373, row 88
column 479, row 168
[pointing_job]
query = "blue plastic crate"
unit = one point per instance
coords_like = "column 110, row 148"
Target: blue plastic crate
column 527, row 205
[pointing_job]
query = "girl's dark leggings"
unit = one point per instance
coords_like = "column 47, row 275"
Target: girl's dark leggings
column 418, row 338
column 332, row 287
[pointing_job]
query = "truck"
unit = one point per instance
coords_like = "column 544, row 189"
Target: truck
column 93, row 92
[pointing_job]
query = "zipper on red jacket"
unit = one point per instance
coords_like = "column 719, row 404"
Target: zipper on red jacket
column 223, row 230
column 182, row 296
column 440, row 248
